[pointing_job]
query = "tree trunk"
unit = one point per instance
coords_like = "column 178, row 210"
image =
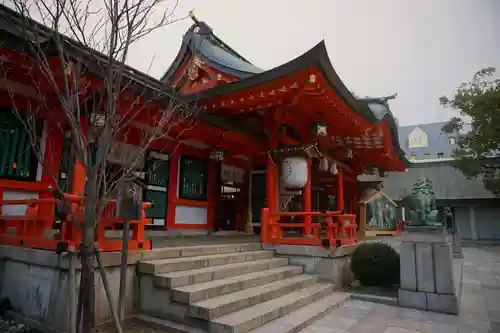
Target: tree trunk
column 107, row 290
column 123, row 272
column 87, row 252
column 88, row 281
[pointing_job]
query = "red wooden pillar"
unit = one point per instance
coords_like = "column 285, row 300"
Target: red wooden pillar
column 271, row 181
column 51, row 162
column 71, row 232
column 306, row 200
column 79, row 172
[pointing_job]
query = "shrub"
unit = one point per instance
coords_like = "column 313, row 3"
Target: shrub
column 375, row 264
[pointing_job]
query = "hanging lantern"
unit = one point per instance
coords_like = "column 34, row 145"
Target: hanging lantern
column 349, row 154
column 323, row 164
column 217, row 154
column 294, row 172
column 319, row 129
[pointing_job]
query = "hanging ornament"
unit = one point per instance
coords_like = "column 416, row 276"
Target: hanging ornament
column 349, row 154
column 319, row 129
column 217, row 154
column 333, row 169
column 323, row 164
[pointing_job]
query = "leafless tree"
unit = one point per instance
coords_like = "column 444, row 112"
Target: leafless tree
column 76, row 60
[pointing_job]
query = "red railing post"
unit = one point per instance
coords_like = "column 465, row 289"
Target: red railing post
column 264, row 226
column 329, row 229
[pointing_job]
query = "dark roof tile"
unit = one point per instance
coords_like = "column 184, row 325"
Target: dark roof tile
column 200, row 40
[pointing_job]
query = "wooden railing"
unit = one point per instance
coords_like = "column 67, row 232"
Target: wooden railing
column 331, row 231
column 31, row 228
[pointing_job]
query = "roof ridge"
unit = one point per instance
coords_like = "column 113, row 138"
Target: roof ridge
column 207, row 28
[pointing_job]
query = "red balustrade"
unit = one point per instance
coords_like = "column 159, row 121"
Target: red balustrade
column 30, row 227
column 336, row 231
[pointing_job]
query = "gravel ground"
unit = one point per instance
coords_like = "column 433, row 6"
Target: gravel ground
column 131, row 326
column 10, row 326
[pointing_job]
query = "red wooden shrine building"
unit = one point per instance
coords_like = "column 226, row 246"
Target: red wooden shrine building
column 279, row 149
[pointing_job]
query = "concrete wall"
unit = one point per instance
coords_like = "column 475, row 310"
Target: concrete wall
column 488, row 223
column 37, row 284
column 476, row 223
column 449, row 183
column 462, row 222
column 331, row 265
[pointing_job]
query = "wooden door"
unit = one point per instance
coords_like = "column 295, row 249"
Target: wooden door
column 259, row 196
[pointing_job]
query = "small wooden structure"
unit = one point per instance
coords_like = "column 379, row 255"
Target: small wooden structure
column 377, row 215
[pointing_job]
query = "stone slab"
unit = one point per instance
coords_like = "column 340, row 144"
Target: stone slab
column 442, row 303
column 425, row 267
column 51, row 259
column 375, row 299
column 457, row 276
column 312, row 251
column 415, row 236
column 408, row 266
column 443, row 268
column 457, row 246
column 412, row 299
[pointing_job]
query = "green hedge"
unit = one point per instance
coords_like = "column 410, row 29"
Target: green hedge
column 376, row 264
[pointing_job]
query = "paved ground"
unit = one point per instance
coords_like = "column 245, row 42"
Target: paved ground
column 479, row 311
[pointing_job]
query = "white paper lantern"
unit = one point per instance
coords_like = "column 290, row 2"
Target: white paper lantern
column 294, row 172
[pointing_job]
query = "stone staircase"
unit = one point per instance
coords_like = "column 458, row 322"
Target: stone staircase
column 232, row 288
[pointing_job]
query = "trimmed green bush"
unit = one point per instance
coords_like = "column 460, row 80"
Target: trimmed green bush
column 375, row 264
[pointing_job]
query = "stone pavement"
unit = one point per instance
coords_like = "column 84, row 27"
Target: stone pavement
column 479, row 308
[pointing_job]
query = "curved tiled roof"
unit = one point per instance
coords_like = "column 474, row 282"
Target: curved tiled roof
column 374, row 110
column 200, row 40
column 206, row 48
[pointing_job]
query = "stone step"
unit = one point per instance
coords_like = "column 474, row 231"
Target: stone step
column 202, row 291
column 187, row 263
column 184, row 278
column 198, row 250
column 303, row 317
column 255, row 316
column 154, row 324
column 223, row 305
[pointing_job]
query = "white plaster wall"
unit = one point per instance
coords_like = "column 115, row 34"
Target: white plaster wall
column 190, row 215
column 43, row 144
column 16, row 210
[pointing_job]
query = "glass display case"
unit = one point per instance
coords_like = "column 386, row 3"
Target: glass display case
column 378, row 215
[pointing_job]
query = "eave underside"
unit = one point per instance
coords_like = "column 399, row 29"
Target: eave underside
column 304, row 91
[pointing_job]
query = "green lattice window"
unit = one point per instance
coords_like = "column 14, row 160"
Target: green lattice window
column 193, row 178
column 18, row 161
column 157, row 175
